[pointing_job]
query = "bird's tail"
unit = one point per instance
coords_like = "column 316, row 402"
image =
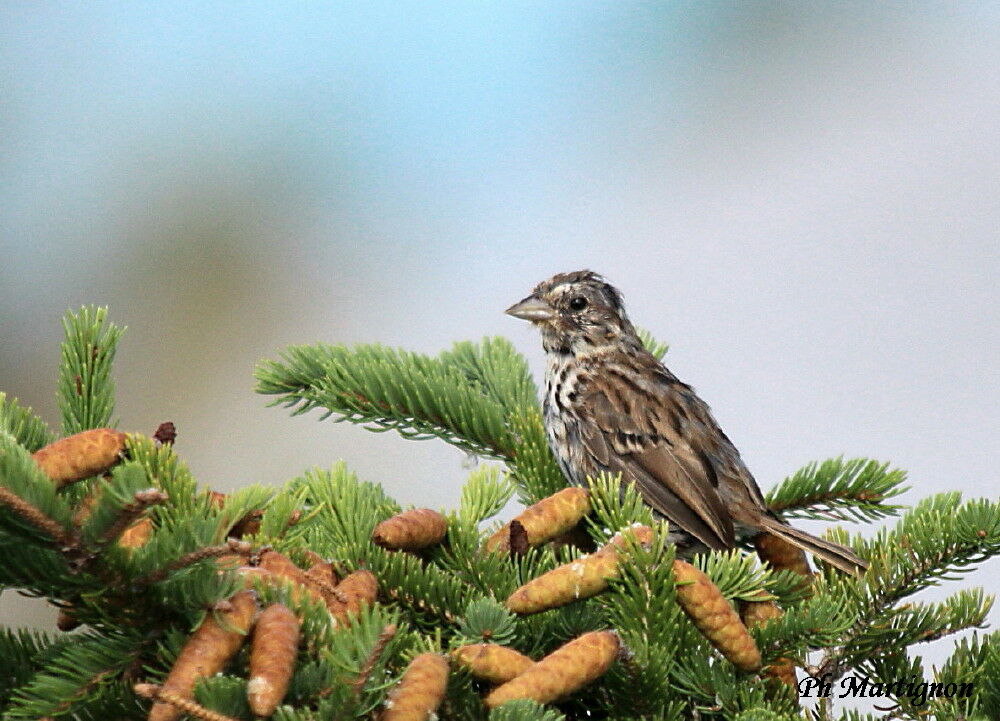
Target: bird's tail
column 833, row 553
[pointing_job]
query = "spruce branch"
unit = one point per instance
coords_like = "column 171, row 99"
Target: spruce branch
column 842, row 490
column 19, row 650
column 280, row 519
column 524, row 710
column 131, row 512
column 485, row 493
column 344, row 510
column 40, row 569
column 85, row 390
column 483, row 573
column 924, row 622
column 535, row 470
column 497, row 369
column 233, row 546
column 173, row 558
column 27, row 429
column 816, row 623
column 615, row 506
column 486, row 621
column 118, row 502
column 895, row 666
column 386, row 389
column 936, row 540
column 224, row 694
column 974, row 661
column 652, row 345
column 644, row 609
column 171, row 475
column 359, row 655
column 73, row 673
column 479, row 398
column 33, row 506
column 426, row 589
column 364, row 674
column 736, row 574
column 35, row 518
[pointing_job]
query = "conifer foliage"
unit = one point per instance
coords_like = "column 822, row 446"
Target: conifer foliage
column 322, row 599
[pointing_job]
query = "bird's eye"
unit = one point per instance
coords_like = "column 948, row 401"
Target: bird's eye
column 578, row 303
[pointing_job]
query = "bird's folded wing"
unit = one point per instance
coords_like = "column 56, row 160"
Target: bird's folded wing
column 675, row 479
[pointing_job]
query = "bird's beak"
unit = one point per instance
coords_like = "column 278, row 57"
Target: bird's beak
column 532, row 308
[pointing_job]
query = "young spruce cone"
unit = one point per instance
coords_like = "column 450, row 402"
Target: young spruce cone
column 757, row 613
column 543, row 521
column 563, row 671
column 81, row 455
column 411, row 530
column 136, row 535
column 358, row 589
column 491, row 662
column 273, row 648
column 279, row 565
column 206, row 652
column 420, row 691
column 781, row 554
column 715, row 618
column 585, row 577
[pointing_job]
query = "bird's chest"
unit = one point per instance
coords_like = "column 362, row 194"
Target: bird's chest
column 562, row 425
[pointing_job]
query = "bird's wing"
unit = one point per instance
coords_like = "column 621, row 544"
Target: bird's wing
column 655, row 438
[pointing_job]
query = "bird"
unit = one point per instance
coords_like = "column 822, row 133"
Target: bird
column 611, row 406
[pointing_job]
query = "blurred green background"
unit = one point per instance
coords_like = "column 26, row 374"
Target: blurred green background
column 800, row 197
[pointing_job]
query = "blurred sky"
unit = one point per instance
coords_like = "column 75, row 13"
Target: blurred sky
column 801, row 198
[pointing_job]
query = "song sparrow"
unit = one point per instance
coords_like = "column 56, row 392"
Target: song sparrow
column 610, row 405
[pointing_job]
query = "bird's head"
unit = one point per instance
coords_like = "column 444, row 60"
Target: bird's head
column 579, row 313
